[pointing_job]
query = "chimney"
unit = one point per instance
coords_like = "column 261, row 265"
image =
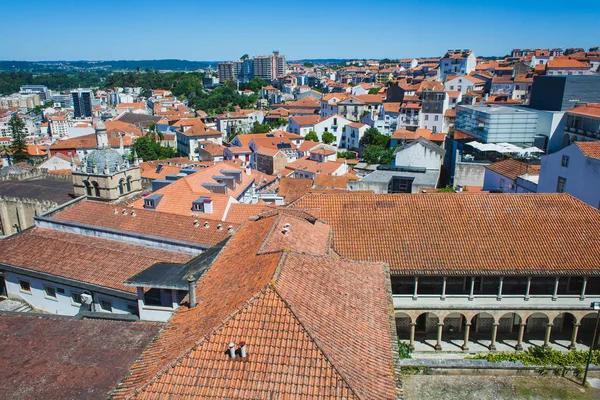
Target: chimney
column 286, row 229
column 231, row 350
column 192, row 290
column 243, row 353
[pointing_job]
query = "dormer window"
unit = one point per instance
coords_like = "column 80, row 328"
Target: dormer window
column 203, row 205
column 151, row 202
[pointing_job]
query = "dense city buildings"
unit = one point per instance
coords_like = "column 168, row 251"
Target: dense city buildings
column 267, row 228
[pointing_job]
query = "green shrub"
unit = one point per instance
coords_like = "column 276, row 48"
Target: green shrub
column 404, row 350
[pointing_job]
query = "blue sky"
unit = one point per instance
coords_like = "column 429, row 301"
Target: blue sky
column 219, row 30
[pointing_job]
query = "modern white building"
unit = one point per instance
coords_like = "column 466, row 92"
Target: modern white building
column 574, row 170
column 457, row 62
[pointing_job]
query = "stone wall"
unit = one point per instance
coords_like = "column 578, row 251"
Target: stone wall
column 17, row 214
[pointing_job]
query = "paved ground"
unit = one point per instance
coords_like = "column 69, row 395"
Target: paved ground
column 460, row 387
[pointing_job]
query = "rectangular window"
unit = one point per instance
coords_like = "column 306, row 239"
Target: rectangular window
column 427, row 118
column 565, row 161
column 24, row 286
column 50, row 292
column 435, row 118
column 106, row 305
column 560, row 184
column 60, row 290
column 75, row 298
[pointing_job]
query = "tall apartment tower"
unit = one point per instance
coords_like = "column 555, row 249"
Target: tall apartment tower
column 82, row 103
column 269, row 67
column 226, row 72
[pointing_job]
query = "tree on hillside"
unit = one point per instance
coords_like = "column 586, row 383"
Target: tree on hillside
column 370, row 136
column 328, row 137
column 312, row 136
column 18, row 146
column 255, row 84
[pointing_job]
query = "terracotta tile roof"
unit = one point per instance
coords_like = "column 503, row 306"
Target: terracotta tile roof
column 246, row 139
column 450, row 113
column 590, row 149
column 588, row 110
column 453, row 94
column 122, row 127
column 512, row 168
column 214, row 149
column 404, row 134
column 499, row 234
column 293, row 333
column 323, row 151
column 268, row 151
column 304, row 120
column 560, row 63
column 332, row 182
column 370, row 98
column 239, row 212
column 199, row 129
column 179, row 195
column 274, row 142
column 239, row 149
column 356, row 125
column 94, row 354
column 102, row 262
column 293, row 188
column 392, row 107
column 145, row 222
column 89, row 142
column 315, row 167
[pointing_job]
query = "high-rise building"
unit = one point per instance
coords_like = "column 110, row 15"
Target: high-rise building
column 269, row 67
column 226, row 72
column 82, row 103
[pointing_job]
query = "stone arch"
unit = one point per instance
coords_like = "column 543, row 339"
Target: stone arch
column 427, row 322
column 88, row 188
column 403, row 322
column 128, row 183
column 96, row 188
column 121, row 186
column 509, row 322
column 536, row 323
column 482, row 322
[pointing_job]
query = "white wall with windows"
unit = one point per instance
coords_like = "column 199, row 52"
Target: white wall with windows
column 62, row 299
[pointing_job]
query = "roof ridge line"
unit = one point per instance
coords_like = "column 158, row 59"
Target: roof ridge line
column 200, row 341
column 315, row 341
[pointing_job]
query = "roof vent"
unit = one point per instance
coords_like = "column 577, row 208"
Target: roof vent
column 243, row 353
column 133, row 214
column 116, row 211
column 230, row 228
column 286, row 230
column 231, row 350
column 196, row 223
column 124, row 212
column 206, row 224
column 219, row 227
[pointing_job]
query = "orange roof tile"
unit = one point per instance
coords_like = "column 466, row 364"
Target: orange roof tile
column 102, row 262
column 498, row 234
column 512, row 168
column 588, row 110
column 590, row 149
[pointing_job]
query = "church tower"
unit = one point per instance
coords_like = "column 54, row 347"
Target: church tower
column 106, row 174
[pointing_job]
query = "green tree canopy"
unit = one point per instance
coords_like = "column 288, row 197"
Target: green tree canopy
column 328, row 137
column 244, row 57
column 312, row 136
column 309, row 64
column 255, row 84
column 374, row 90
column 18, row 146
column 374, row 154
column 147, row 148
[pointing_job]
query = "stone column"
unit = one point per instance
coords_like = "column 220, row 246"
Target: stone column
column 574, row 335
column 465, row 345
column 494, row 334
column 582, row 296
column 411, row 344
column 416, row 287
column 519, row 345
column 444, row 289
column 438, row 344
column 472, row 289
column 555, row 293
column 528, row 288
column 500, row 288
column 547, row 335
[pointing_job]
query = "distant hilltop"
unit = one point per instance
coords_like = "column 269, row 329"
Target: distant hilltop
column 108, row 65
